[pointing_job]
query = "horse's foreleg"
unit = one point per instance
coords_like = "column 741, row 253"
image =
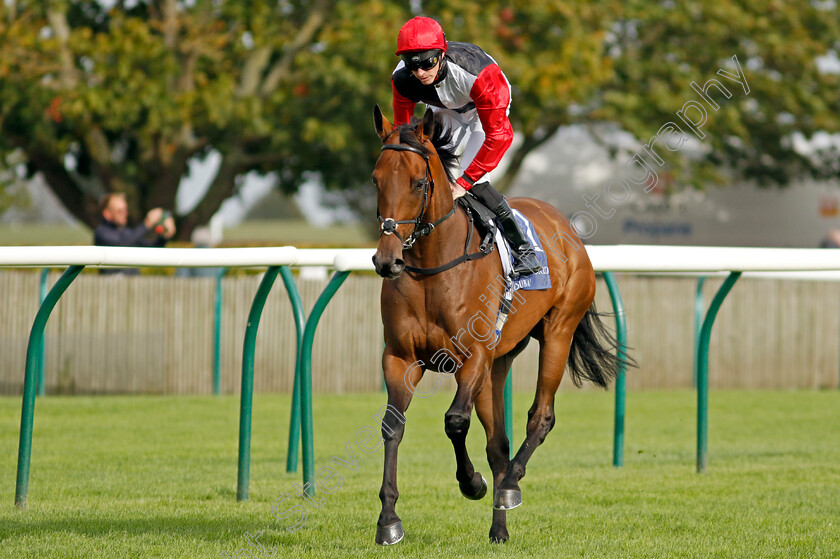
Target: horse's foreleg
column 554, row 351
column 470, row 379
column 400, row 379
column 490, row 408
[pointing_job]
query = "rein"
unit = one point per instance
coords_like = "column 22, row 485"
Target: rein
column 389, row 225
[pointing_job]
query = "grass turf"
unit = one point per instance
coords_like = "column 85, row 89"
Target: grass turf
column 143, row 476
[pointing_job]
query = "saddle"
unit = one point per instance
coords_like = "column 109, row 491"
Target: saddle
column 482, row 217
column 486, row 224
column 482, row 221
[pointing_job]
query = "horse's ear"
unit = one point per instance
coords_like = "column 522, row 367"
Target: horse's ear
column 383, row 127
column 428, row 124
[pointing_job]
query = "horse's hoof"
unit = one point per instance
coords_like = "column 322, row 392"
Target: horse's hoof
column 498, row 536
column 391, row 534
column 474, row 496
column 506, row 499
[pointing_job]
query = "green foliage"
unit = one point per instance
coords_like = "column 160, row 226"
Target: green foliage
column 552, row 52
column 13, row 191
column 661, row 47
column 121, row 100
column 118, row 98
column 632, row 63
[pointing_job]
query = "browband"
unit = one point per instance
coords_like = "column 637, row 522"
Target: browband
column 403, row 147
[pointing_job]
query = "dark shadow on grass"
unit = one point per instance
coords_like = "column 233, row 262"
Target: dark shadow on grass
column 228, row 532
column 226, row 491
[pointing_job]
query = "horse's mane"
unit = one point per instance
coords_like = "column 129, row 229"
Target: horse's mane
column 441, row 139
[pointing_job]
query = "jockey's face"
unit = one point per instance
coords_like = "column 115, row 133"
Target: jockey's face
column 426, row 77
column 425, row 65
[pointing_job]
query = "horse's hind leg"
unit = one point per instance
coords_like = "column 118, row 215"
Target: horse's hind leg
column 399, row 374
column 470, row 378
column 557, row 331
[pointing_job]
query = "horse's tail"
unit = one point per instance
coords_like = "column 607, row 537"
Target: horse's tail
column 595, row 355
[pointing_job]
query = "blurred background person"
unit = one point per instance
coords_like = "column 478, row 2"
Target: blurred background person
column 154, row 231
column 831, row 239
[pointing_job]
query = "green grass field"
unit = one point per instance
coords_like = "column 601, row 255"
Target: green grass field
column 144, row 476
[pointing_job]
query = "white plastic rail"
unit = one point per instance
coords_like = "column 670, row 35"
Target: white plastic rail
column 615, row 258
column 655, row 258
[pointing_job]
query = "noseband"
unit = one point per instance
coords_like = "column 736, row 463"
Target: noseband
column 389, row 225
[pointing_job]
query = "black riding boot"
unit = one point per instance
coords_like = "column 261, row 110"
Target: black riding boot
column 525, row 258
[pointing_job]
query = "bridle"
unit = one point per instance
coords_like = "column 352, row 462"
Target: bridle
column 389, row 225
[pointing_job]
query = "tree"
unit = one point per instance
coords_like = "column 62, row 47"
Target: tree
column 103, row 100
column 632, row 64
column 122, row 99
column 662, row 47
column 553, row 53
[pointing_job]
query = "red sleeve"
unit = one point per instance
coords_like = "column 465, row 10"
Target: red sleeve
column 491, row 95
column 403, row 107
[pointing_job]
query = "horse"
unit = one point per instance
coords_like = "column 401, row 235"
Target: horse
column 435, row 316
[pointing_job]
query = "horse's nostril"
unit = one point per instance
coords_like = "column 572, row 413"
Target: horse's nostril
column 388, row 269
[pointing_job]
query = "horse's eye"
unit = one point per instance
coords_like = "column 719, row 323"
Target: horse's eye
column 374, row 182
column 419, row 184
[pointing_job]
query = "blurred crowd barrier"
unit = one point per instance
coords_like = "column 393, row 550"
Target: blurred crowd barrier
column 154, row 334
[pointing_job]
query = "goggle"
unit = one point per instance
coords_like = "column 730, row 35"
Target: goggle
column 425, row 60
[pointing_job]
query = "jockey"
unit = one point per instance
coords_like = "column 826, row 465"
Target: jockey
column 468, row 89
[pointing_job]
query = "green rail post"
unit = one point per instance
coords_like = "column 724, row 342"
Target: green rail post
column 306, row 379
column 509, row 410
column 217, row 335
column 27, row 412
column 247, row 395
column 42, row 353
column 620, row 381
column 300, row 324
column 703, row 372
column 698, row 321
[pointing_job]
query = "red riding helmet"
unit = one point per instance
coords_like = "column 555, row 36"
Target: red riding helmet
column 420, row 33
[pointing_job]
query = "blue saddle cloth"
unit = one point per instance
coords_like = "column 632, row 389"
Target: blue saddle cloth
column 531, row 282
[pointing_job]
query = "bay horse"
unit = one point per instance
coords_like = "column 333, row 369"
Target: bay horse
column 431, row 317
